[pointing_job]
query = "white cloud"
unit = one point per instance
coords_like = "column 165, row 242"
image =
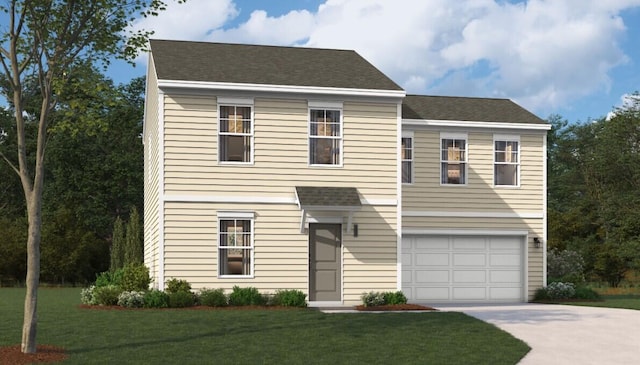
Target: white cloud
column 287, row 29
column 542, row 53
column 192, row 20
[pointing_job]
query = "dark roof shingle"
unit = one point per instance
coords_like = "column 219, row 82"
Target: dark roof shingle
column 329, row 197
column 268, row 65
column 466, row 109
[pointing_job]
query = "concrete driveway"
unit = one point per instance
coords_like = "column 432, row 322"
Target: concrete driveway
column 563, row 334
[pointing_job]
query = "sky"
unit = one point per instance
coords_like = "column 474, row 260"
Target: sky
column 575, row 58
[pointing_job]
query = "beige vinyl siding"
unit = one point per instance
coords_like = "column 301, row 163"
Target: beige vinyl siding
column 479, row 194
column 534, row 227
column 281, row 251
column 152, row 176
column 280, row 150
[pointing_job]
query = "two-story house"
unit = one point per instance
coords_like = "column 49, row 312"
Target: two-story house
column 309, row 169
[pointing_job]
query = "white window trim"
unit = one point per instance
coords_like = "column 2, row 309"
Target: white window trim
column 409, row 134
column 325, row 106
column 506, row 138
column 239, row 215
column 237, row 102
column 449, row 135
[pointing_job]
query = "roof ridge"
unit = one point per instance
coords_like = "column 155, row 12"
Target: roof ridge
column 459, row 97
column 253, row 45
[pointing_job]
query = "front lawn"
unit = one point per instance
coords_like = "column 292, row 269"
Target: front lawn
column 296, row 336
column 613, row 301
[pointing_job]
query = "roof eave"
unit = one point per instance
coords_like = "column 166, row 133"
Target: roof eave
column 475, row 124
column 206, row 85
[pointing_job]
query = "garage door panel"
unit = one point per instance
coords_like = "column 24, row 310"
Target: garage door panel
column 468, row 243
column 432, row 293
column 505, row 260
column 407, row 277
column 463, row 268
column 505, row 276
column 501, row 243
column 469, row 259
column 432, row 243
column 432, row 276
column 497, row 293
column 469, row 276
column 431, row 259
column 469, row 293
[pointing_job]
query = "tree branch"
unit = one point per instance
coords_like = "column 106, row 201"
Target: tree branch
column 13, row 167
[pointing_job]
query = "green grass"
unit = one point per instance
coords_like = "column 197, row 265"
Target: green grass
column 630, row 301
column 297, row 336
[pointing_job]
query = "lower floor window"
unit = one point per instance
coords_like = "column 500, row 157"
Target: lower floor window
column 235, row 247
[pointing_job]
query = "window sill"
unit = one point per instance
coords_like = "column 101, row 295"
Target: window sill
column 236, row 276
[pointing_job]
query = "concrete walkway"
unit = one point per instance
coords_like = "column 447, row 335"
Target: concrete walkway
column 563, row 334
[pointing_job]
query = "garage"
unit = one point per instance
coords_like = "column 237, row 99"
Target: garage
column 463, row 268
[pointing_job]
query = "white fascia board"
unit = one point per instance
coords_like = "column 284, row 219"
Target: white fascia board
column 180, row 84
column 465, row 214
column 464, row 232
column 478, row 124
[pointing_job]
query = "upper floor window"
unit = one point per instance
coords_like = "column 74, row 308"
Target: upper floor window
column 235, row 244
column 325, row 137
column 235, row 133
column 453, row 159
column 506, row 163
column 407, row 158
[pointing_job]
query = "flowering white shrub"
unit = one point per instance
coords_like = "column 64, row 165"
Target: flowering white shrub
column 131, row 299
column 560, row 290
column 87, row 297
column 372, row 299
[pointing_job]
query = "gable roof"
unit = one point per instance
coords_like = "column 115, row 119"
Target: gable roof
column 266, row 65
column 466, row 109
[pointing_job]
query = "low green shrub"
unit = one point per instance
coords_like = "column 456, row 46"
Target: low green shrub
column 212, row 298
column 372, row 299
column 87, row 295
column 541, row 294
column 560, row 290
column 135, row 277
column 107, row 295
column 109, row 278
column 246, row 296
column 583, row 292
column 177, row 285
column 394, row 297
column 554, row 291
column 289, row 298
column 131, row 299
column 156, row 299
column 181, row 299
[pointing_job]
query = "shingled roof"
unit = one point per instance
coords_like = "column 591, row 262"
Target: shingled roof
column 268, row 65
column 466, row 109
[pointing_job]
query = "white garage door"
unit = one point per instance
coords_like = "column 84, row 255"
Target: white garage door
column 463, row 268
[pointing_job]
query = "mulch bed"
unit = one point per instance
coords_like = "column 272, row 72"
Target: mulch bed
column 11, row 355
column 395, row 307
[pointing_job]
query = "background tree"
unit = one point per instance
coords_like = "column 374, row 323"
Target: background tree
column 44, row 40
column 134, row 246
column 117, row 245
column 594, row 179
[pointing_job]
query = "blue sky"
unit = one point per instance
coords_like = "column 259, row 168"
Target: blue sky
column 576, row 58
